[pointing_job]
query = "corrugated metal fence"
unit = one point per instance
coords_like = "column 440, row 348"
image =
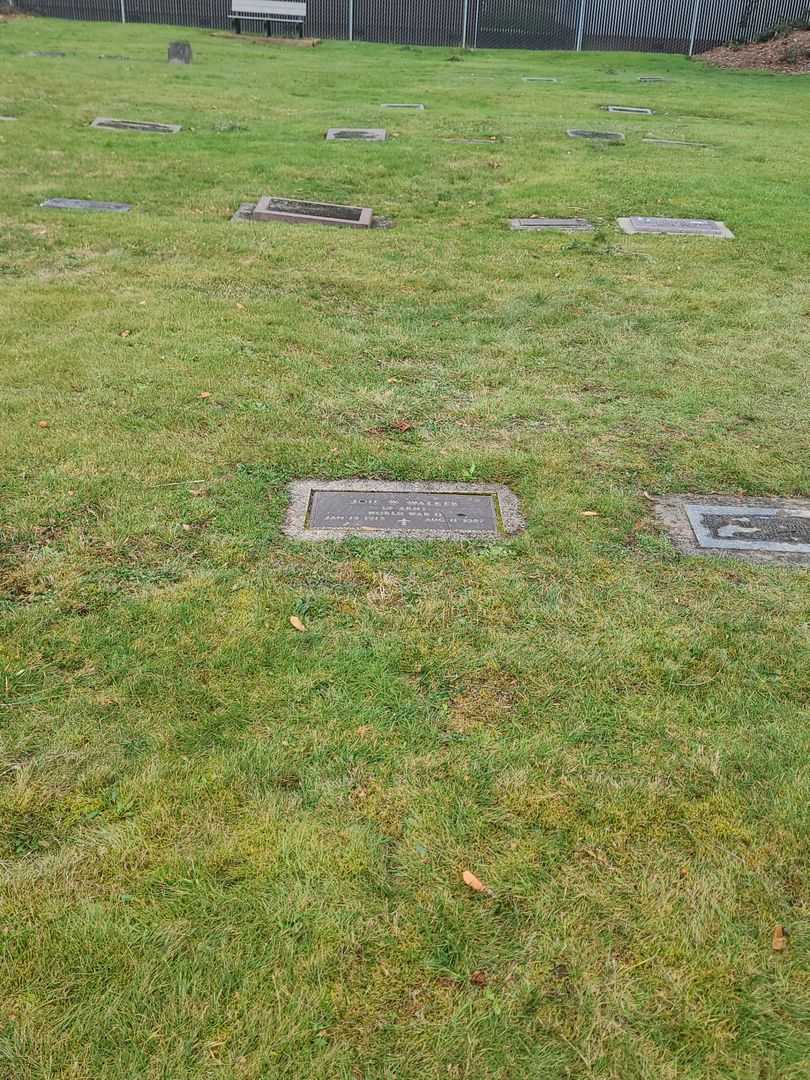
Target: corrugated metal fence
column 645, row 25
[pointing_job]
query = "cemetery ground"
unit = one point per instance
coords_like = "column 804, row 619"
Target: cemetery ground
column 234, row 849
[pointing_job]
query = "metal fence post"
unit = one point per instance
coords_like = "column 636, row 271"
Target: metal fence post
column 351, row 20
column 477, row 20
column 580, row 25
column 693, row 31
column 465, row 11
column 123, row 12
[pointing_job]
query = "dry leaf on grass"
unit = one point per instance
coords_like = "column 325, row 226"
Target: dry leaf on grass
column 780, row 937
column 124, row 333
column 205, row 394
column 475, row 883
column 296, row 623
column 44, row 423
column 479, row 978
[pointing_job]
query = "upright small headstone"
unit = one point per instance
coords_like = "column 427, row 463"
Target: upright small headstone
column 180, row 52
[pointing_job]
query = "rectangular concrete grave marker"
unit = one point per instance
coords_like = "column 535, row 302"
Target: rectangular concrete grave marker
column 760, row 530
column 566, row 224
column 7, row 118
column 180, row 52
column 675, row 142
column 627, row 109
column 675, row 226
column 400, row 105
column 52, row 54
column 539, row 78
column 86, row 204
column 109, row 124
column 602, row 136
column 376, row 509
column 367, row 134
column 272, row 208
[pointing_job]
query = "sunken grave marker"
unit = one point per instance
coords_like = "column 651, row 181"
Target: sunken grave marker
column 675, row 227
column 107, row 123
column 86, row 204
column 638, row 111
column 366, row 134
column 400, row 105
column 602, row 136
column 759, row 530
column 540, row 79
column 566, row 224
column 676, row 142
column 377, row 509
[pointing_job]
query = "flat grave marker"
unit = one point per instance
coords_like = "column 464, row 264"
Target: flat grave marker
column 86, row 204
column 180, row 52
column 637, row 110
column 675, row 227
column 107, row 123
column 401, row 105
column 760, row 530
column 602, row 136
column 540, row 79
column 7, row 118
column 377, row 509
column 652, row 78
column 46, row 53
column 298, row 211
column 675, row 142
column 565, row 224
column 366, row 134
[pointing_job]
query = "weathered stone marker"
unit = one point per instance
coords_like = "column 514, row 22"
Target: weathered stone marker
column 180, row 52
column 273, row 208
column 675, row 226
column 367, row 134
column 566, row 224
column 539, row 78
column 675, row 142
column 627, row 109
column 52, row 54
column 399, row 105
column 86, row 204
column 378, row 509
column 602, row 136
column 108, row 124
column 7, row 118
column 761, row 530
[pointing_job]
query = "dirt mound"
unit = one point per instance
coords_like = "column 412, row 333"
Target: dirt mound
column 789, row 54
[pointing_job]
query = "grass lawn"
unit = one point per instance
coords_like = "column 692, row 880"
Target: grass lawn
column 232, row 850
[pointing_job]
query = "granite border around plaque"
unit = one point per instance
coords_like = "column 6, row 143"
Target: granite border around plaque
column 505, row 514
column 597, row 136
column 302, row 211
column 147, row 127
column 684, row 518
column 246, row 209
column 551, row 224
column 356, row 134
column 655, row 226
column 86, row 204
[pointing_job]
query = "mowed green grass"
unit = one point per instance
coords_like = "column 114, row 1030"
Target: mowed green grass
column 234, row 850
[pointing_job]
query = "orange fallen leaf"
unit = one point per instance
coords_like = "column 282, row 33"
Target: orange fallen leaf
column 296, row 623
column 779, row 940
column 43, row 423
column 474, row 883
column 125, row 333
column 205, row 394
